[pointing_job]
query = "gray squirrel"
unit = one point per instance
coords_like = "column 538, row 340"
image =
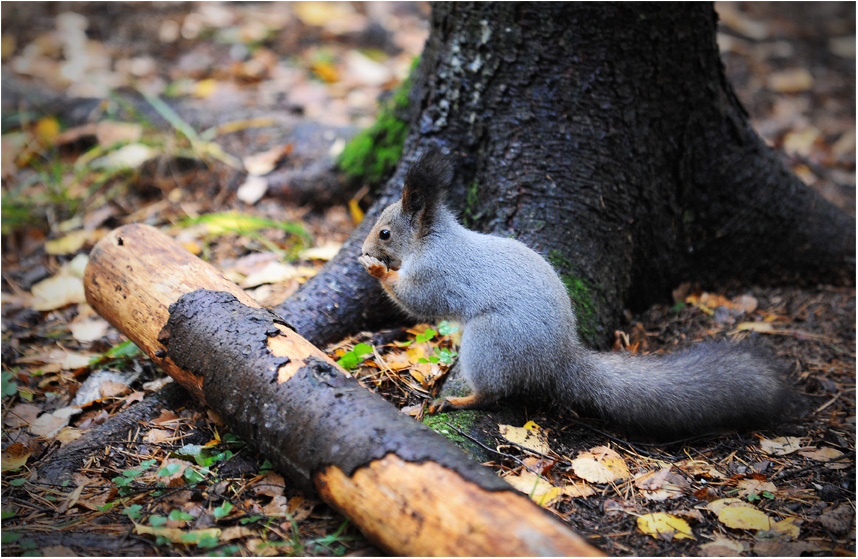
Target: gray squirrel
column 519, row 334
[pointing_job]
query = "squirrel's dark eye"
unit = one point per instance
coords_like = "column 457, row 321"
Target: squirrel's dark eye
column 384, row 234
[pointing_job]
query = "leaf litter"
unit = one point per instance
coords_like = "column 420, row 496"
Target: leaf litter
column 777, row 494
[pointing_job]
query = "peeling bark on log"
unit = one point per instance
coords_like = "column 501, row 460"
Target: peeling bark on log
column 409, row 490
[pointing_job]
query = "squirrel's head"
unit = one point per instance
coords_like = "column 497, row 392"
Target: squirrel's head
column 403, row 224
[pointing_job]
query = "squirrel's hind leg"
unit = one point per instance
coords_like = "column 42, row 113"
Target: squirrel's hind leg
column 471, row 402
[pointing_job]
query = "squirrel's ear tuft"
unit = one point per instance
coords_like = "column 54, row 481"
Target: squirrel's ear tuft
column 426, row 182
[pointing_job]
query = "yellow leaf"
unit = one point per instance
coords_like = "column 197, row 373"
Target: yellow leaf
column 57, row 292
column 600, row 465
column 744, row 518
column 14, row 456
column 177, row 535
column 204, row 88
column 719, row 504
column 326, row 71
column 823, row 454
column 661, row 525
column 68, row 244
column 530, row 437
column 787, row 527
column 47, row 129
column 355, row 212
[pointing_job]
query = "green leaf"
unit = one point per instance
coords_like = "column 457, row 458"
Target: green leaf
column 353, row 358
column 207, row 541
column 122, row 481
column 132, row 473
column 133, row 511
column 266, row 466
column 223, row 510
column 445, row 328
column 157, row 520
column 192, row 476
column 9, row 537
column 177, row 514
column 427, row 335
column 250, row 519
column 169, row 470
column 9, row 386
column 17, row 482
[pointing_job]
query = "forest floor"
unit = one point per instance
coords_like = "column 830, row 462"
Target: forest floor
column 100, row 458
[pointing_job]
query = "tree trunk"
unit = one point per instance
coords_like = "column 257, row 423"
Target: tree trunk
column 407, row 488
column 606, row 137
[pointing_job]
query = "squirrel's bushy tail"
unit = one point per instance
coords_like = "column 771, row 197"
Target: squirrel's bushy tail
column 710, row 387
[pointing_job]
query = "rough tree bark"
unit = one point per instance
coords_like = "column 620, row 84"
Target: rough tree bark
column 606, row 137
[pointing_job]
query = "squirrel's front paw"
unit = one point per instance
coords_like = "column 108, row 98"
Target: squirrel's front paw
column 373, row 265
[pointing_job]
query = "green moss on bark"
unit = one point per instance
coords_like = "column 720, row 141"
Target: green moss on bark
column 584, row 297
column 374, row 152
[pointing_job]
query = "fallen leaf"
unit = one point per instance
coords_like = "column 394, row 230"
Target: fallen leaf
column 89, row 330
column 719, row 504
column 130, row 156
column 838, row 520
column 252, row 189
column 68, row 244
column 530, row 437
column 325, row 252
column 664, row 526
column 748, row 487
column 14, row 456
column 57, row 292
column 158, row 436
column 21, row 414
column 272, row 485
column 722, row 547
column 824, row 454
column 48, row 425
column 264, row 162
column 600, row 465
column 791, row 81
column 273, row 272
column 67, row 435
column 277, row 507
column 780, row 446
column 744, row 518
column 778, row 548
column 177, row 535
column 235, row 532
column 661, row 485
column 108, row 133
column 300, row 508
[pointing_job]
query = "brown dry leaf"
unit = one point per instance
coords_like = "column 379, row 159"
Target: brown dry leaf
column 791, row 81
column 661, row 485
column 664, row 526
column 67, row 435
column 273, row 272
column 278, row 506
column 158, row 436
column 801, row 142
column 235, row 532
column 108, row 133
column 49, row 424
column 780, row 446
column 14, row 456
column 824, row 454
column 722, row 547
column 600, row 465
column 838, row 520
column 89, row 330
column 530, row 437
column 272, row 485
column 21, row 414
column 264, row 162
column 700, row 467
column 748, row 487
column 176, row 479
column 324, row 253
column 300, row 508
column 166, row 416
column 57, row 292
column 252, row 189
column 57, row 551
column 112, row 389
column 777, row 548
